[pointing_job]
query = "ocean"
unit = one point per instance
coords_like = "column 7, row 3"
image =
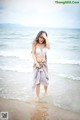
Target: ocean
column 16, row 65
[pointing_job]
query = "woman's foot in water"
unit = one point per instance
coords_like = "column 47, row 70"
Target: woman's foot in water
column 37, row 99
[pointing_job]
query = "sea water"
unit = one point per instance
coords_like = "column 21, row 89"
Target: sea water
column 63, row 58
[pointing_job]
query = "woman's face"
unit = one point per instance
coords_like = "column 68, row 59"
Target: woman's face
column 42, row 38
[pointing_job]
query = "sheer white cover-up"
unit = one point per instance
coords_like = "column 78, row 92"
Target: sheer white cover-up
column 40, row 74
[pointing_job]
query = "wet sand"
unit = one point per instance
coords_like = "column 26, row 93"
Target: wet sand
column 19, row 110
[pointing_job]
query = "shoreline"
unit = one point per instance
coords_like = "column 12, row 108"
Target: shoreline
column 20, row 110
column 62, row 92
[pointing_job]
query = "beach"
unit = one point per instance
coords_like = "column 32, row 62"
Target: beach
column 18, row 110
column 16, row 75
column 21, row 105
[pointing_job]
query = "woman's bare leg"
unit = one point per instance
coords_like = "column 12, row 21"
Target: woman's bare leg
column 38, row 90
column 45, row 89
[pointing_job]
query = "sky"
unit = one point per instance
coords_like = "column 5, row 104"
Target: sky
column 40, row 13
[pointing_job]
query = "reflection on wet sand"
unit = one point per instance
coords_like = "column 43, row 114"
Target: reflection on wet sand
column 40, row 112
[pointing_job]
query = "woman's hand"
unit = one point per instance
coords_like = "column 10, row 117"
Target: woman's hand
column 37, row 65
column 47, row 43
column 44, row 36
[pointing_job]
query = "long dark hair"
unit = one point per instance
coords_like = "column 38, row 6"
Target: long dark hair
column 37, row 40
column 37, row 37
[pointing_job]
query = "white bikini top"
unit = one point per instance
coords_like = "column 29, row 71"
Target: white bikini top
column 41, row 52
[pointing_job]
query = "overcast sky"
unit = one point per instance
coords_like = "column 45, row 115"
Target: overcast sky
column 43, row 13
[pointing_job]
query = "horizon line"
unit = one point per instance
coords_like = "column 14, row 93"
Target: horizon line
column 39, row 26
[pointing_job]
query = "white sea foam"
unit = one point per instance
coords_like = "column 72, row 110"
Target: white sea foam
column 26, row 55
column 17, row 68
column 68, row 77
column 21, row 54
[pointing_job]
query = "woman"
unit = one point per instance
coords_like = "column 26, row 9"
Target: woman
column 39, row 50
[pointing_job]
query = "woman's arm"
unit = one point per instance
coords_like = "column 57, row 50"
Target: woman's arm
column 47, row 44
column 33, row 55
